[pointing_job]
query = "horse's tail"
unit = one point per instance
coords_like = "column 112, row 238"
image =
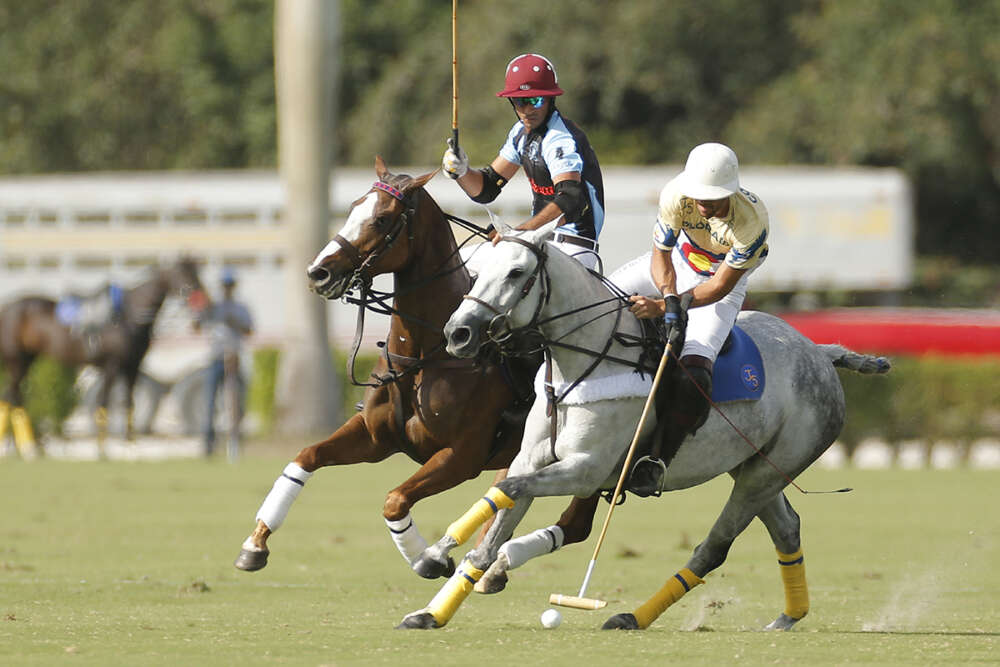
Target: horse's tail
column 862, row 363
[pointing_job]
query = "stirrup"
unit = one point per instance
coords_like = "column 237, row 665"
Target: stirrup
column 652, row 470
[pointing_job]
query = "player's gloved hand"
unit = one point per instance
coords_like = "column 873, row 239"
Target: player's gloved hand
column 675, row 316
column 455, row 162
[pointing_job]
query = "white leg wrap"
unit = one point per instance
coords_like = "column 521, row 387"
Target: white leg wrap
column 538, row 543
column 407, row 538
column 284, row 492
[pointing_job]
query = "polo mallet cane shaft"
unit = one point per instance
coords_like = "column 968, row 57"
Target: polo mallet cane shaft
column 579, row 601
column 454, row 73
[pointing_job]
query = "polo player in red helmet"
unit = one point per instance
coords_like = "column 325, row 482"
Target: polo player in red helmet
column 561, row 166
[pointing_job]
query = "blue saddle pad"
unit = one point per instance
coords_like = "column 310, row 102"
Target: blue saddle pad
column 739, row 372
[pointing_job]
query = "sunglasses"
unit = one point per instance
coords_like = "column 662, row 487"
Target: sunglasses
column 534, row 102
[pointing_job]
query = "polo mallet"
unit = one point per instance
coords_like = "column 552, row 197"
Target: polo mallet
column 454, row 74
column 579, row 601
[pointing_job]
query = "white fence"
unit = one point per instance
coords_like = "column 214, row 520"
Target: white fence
column 846, row 228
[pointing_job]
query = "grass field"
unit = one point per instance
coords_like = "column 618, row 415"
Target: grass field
column 131, row 564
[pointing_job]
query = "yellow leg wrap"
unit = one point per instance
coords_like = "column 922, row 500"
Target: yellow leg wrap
column 484, row 508
column 4, row 418
column 453, row 593
column 672, row 591
column 24, row 435
column 101, row 420
column 793, row 575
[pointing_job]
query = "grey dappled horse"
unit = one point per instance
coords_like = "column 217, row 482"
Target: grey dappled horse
column 800, row 413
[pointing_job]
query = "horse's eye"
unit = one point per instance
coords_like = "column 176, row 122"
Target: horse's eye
column 515, row 274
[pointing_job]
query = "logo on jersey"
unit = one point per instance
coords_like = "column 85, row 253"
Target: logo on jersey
column 699, row 260
column 545, row 190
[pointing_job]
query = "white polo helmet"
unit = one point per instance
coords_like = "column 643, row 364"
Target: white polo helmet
column 711, row 172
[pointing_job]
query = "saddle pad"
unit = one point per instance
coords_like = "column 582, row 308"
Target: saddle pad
column 738, row 376
column 739, row 372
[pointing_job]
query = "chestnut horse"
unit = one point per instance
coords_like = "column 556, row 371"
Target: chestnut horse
column 29, row 327
column 448, row 415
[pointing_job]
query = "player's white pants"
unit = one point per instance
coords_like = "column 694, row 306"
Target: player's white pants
column 708, row 326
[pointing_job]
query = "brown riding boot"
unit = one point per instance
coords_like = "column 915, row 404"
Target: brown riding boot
column 685, row 414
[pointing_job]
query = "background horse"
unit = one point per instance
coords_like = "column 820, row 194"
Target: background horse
column 527, row 287
column 445, row 414
column 29, row 327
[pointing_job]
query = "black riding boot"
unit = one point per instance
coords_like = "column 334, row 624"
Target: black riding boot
column 685, row 414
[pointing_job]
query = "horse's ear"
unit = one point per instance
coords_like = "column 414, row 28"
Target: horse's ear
column 380, row 169
column 421, row 181
column 546, row 231
column 503, row 229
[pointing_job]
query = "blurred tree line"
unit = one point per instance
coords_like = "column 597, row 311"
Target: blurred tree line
column 189, row 84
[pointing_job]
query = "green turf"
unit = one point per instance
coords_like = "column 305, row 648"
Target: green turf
column 131, row 563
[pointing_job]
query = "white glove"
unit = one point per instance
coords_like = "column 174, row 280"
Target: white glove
column 455, row 162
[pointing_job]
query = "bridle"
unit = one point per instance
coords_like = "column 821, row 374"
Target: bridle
column 403, row 220
column 499, row 329
column 377, row 301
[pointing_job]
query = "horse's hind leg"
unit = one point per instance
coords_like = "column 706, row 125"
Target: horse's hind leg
column 351, row 443
column 782, row 524
column 749, row 494
column 12, row 407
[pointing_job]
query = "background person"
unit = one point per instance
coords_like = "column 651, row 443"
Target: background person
column 228, row 322
column 561, row 166
column 710, row 234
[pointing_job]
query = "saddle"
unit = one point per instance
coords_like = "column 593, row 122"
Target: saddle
column 738, row 374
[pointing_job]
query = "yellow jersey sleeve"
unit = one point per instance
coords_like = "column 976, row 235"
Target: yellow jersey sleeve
column 669, row 217
column 748, row 232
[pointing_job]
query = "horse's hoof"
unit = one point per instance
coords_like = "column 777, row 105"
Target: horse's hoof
column 251, row 560
column 783, row 622
column 621, row 622
column 429, row 568
column 418, row 620
column 489, row 585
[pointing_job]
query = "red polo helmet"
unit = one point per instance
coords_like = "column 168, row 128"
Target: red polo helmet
column 530, row 75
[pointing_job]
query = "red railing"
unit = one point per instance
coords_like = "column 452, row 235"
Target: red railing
column 903, row 331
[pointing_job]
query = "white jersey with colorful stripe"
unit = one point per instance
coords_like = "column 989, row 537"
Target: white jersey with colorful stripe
column 739, row 239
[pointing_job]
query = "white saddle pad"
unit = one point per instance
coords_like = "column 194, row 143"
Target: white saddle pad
column 625, row 385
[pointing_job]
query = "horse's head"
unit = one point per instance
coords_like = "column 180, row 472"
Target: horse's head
column 509, row 293
column 182, row 279
column 377, row 237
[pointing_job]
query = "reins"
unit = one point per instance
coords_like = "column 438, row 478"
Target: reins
column 378, row 301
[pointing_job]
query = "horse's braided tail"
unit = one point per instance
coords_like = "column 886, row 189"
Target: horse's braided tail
column 862, row 363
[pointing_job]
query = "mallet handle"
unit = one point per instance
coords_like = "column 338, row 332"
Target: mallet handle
column 631, row 452
column 454, row 72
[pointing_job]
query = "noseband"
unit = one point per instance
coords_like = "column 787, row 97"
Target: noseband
column 499, row 330
column 404, row 219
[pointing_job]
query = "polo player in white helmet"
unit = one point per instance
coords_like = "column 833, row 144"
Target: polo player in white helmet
column 710, row 234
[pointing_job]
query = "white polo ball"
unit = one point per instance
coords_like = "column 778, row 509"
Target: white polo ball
column 551, row 618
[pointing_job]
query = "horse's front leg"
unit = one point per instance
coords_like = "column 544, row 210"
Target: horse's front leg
column 351, row 443
column 445, row 604
column 574, row 526
column 131, row 375
column 444, row 470
column 101, row 419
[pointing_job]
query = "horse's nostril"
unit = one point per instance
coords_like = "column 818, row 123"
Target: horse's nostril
column 319, row 274
column 461, row 335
